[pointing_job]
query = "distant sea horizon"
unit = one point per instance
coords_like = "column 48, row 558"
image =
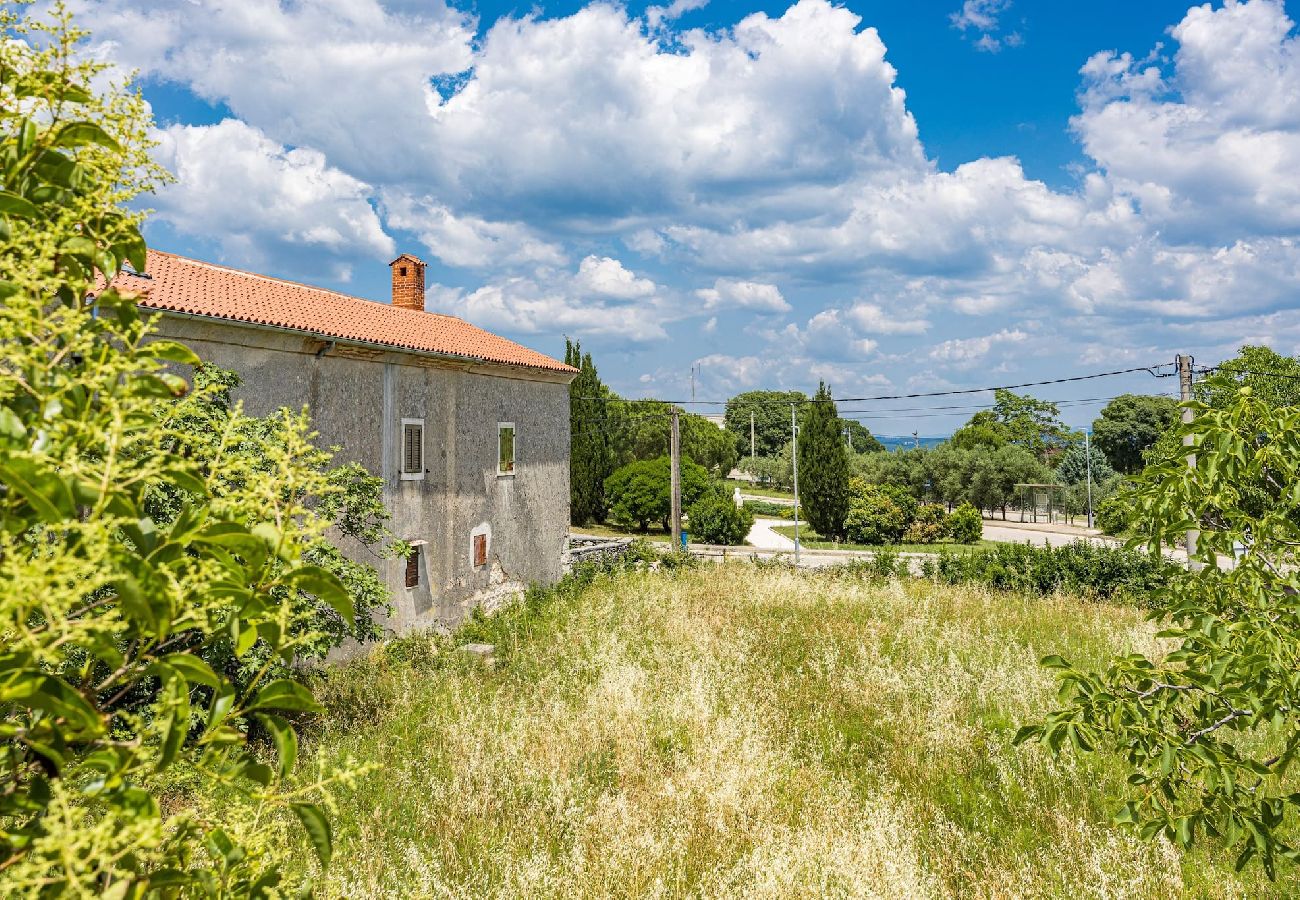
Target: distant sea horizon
column 907, row 442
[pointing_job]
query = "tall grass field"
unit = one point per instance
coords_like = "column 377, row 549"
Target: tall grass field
column 741, row 731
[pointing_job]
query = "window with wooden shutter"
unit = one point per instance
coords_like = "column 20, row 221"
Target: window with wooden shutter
column 413, row 568
column 412, row 449
column 480, row 550
column 505, row 448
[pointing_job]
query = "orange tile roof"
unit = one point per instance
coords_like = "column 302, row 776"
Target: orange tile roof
column 178, row 284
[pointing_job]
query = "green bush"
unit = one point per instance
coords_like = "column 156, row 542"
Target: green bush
column 874, row 517
column 770, row 510
column 929, row 526
column 715, row 519
column 639, row 491
column 1101, row 572
column 966, row 525
column 1112, row 514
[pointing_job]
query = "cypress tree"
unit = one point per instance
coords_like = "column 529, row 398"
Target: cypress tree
column 591, row 453
column 823, row 466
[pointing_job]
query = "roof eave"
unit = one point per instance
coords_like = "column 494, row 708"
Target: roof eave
column 567, row 372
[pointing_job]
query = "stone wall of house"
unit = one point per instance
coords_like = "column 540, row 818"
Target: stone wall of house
column 358, row 398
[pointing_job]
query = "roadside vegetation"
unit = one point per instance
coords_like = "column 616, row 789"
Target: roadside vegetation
column 811, row 540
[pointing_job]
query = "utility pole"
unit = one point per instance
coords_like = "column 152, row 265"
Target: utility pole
column 794, row 458
column 751, row 435
column 675, row 489
column 1087, row 452
column 1185, row 394
column 692, row 384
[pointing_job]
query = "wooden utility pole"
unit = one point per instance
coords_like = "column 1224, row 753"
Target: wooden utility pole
column 751, row 435
column 675, row 488
column 1185, row 393
column 1087, row 452
column 794, row 459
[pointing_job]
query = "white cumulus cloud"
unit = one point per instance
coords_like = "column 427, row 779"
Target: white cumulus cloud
column 306, row 208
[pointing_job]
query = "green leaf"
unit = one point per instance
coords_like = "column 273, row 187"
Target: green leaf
column 77, row 134
column 285, row 738
column 34, row 689
column 172, row 351
column 134, row 605
column 1025, row 733
column 47, row 494
column 79, row 246
column 10, row 425
column 318, row 830
column 245, row 637
column 325, row 586
column 284, row 694
column 194, row 669
column 13, row 205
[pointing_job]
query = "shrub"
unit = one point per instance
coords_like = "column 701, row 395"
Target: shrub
column 874, row 517
column 1112, row 514
column 965, row 525
column 639, row 491
column 1101, row 572
column 770, row 510
column 128, row 765
column 715, row 519
column 929, row 526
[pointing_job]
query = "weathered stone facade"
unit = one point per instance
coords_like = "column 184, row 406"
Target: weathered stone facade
column 358, row 398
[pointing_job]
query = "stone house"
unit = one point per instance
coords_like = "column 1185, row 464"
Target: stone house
column 469, row 431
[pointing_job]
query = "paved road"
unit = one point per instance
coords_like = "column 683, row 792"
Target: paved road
column 763, row 537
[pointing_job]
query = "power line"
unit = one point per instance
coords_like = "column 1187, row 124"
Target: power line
column 892, row 413
column 1150, row 370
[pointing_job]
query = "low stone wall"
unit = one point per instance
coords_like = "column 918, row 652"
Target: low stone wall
column 585, row 548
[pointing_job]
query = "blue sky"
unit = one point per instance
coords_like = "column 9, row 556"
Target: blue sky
column 895, row 197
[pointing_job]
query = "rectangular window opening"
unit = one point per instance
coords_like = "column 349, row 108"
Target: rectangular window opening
column 413, row 568
column 480, row 550
column 505, row 448
column 412, row 449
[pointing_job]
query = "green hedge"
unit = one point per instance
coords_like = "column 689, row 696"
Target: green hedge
column 1103, row 572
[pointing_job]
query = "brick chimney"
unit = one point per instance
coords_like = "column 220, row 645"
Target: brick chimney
column 408, row 282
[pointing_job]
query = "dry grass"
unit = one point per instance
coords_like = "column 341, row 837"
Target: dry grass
column 741, row 732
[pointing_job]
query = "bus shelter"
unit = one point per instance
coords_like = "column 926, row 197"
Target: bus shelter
column 1040, row 500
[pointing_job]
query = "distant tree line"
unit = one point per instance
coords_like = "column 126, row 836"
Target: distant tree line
column 1018, row 440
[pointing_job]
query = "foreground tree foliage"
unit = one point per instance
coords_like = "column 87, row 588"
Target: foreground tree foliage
column 228, row 448
column 101, row 604
column 1211, row 730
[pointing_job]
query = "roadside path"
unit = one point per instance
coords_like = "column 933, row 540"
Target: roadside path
column 764, row 538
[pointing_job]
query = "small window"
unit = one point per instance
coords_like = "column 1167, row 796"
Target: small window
column 413, row 568
column 401, row 270
column 480, row 550
column 505, row 448
column 412, row 449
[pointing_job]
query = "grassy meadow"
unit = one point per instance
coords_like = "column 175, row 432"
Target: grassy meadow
column 741, row 731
